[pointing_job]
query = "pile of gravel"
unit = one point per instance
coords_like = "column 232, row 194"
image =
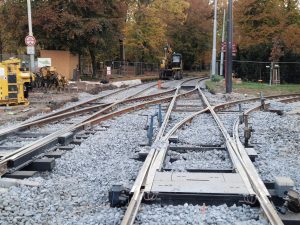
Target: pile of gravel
column 202, row 131
column 276, row 139
column 195, row 214
column 213, row 159
column 76, row 192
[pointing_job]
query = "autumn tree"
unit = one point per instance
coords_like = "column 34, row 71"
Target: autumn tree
column 13, row 26
column 147, row 27
column 86, row 25
column 193, row 37
column 268, row 30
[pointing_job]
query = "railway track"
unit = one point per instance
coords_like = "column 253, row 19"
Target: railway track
column 186, row 103
column 19, row 157
column 155, row 182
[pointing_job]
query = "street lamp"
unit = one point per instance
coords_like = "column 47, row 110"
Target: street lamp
column 214, row 50
column 229, row 49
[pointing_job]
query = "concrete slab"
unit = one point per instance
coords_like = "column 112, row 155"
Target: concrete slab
column 290, row 218
column 174, row 139
column 66, row 138
column 252, row 154
column 55, row 154
column 21, row 174
column 65, row 148
column 45, row 164
column 209, row 183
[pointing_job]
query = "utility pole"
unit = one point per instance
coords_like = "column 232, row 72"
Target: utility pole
column 214, row 50
column 223, row 38
column 30, row 32
column 229, row 49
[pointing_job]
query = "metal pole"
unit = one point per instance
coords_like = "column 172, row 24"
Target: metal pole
column 30, row 32
column 214, row 50
column 271, row 71
column 223, row 38
column 229, row 49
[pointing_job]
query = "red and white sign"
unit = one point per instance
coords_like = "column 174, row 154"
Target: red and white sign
column 30, row 40
column 108, row 70
column 234, row 48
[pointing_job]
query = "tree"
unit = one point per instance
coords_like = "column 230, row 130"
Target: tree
column 147, row 27
column 192, row 38
column 268, row 30
column 80, row 26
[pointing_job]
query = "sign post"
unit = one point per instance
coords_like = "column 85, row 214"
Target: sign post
column 30, row 39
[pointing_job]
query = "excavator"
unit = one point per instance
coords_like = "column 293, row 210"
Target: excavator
column 171, row 65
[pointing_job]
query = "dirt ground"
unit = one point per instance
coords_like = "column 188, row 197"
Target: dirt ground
column 43, row 102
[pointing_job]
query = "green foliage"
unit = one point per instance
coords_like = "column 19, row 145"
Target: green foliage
column 193, row 37
column 216, row 78
column 147, row 27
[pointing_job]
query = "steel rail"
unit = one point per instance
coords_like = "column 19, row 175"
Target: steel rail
column 106, row 107
column 139, row 185
column 81, row 125
column 259, row 189
column 159, row 147
column 65, row 110
column 257, row 183
column 62, row 112
column 222, row 106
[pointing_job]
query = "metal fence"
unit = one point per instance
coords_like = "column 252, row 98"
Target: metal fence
column 288, row 72
column 120, row 68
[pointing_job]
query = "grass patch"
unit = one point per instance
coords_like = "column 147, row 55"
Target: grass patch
column 254, row 88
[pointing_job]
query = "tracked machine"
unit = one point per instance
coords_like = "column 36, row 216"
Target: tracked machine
column 171, row 65
column 15, row 82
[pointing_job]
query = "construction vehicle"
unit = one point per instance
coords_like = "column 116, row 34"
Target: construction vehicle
column 15, row 82
column 171, row 65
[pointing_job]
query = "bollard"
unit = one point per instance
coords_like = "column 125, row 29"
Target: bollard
column 262, row 102
column 159, row 116
column 151, row 125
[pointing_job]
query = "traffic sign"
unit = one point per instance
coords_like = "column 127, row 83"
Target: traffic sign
column 30, row 50
column 234, row 48
column 30, row 40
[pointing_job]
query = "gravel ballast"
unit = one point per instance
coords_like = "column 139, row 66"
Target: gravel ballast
column 276, row 139
column 76, row 192
column 194, row 215
column 199, row 160
column 202, row 131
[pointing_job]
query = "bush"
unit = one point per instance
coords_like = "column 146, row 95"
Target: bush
column 216, row 78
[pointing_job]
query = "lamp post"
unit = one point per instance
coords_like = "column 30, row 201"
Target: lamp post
column 214, row 50
column 30, row 32
column 223, row 38
column 229, row 49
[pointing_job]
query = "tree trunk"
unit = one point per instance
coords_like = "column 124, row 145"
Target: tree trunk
column 94, row 64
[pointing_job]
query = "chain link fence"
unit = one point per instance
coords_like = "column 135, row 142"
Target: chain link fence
column 119, row 69
column 286, row 72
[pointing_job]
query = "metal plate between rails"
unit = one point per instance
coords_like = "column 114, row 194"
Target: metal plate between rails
column 210, row 183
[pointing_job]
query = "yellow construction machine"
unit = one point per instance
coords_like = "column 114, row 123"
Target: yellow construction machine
column 171, row 65
column 15, row 82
